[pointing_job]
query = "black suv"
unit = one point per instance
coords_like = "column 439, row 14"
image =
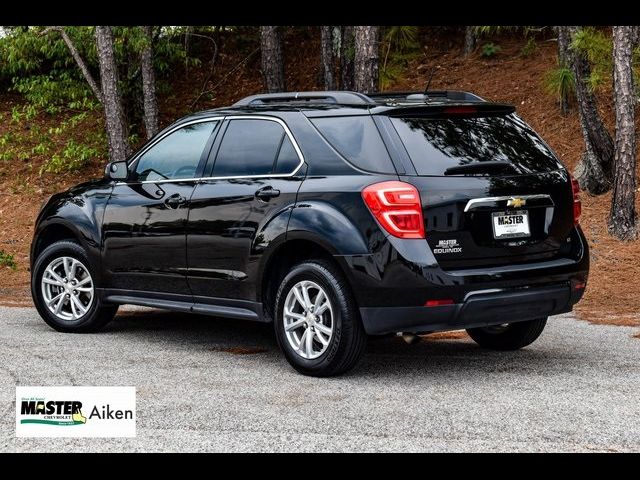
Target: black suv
column 335, row 216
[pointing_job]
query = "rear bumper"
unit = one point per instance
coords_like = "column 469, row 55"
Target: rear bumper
column 480, row 308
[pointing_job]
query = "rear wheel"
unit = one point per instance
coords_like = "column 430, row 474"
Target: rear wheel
column 317, row 322
column 64, row 290
column 510, row 336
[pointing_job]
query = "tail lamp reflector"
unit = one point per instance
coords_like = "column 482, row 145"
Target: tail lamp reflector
column 577, row 204
column 397, row 207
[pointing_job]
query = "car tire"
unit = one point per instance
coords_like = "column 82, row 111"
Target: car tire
column 331, row 353
column 513, row 336
column 81, row 310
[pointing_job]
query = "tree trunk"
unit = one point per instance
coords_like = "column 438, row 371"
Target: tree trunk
column 347, row 54
column 594, row 172
column 149, row 84
column 622, row 220
column 366, row 59
column 272, row 59
column 326, row 40
column 469, row 40
column 117, row 131
column 564, row 43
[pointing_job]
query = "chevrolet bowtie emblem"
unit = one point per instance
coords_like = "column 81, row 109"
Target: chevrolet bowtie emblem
column 516, row 202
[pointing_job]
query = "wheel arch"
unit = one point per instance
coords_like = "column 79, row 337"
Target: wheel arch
column 295, row 249
column 51, row 233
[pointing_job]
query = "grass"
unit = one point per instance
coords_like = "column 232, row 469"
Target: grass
column 7, row 260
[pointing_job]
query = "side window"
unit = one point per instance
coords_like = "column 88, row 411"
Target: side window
column 357, row 139
column 252, row 147
column 288, row 158
column 177, row 155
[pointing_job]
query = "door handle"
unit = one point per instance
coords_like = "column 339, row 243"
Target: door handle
column 175, row 200
column 265, row 193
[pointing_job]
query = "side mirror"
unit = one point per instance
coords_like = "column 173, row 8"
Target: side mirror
column 117, row 170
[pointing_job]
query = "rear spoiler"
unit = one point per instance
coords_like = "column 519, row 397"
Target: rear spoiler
column 466, row 109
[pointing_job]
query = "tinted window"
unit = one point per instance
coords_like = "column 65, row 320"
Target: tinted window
column 177, row 155
column 357, row 139
column 435, row 144
column 249, row 147
column 288, row 159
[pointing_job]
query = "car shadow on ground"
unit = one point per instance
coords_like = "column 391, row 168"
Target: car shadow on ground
column 389, row 355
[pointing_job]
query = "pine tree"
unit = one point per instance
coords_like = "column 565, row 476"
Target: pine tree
column 622, row 220
column 272, row 59
column 594, row 172
column 150, row 100
column 116, row 125
column 366, row 62
column 326, row 41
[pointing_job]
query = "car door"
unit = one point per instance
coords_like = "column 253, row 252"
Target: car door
column 144, row 243
column 252, row 177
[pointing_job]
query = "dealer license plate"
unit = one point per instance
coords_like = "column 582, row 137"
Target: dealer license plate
column 511, row 224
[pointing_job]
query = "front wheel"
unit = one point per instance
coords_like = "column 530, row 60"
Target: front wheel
column 317, row 323
column 510, row 336
column 64, row 290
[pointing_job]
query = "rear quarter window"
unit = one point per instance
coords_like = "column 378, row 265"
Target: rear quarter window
column 357, row 140
column 436, row 144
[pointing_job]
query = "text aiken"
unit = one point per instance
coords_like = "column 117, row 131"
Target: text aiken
column 52, row 407
column 106, row 413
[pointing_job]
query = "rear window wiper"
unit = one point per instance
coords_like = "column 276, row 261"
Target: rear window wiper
column 487, row 167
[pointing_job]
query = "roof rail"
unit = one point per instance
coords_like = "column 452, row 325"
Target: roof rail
column 329, row 97
column 424, row 97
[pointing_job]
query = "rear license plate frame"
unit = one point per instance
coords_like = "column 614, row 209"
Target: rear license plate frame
column 515, row 235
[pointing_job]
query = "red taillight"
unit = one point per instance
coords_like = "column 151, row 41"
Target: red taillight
column 577, row 204
column 579, row 285
column 397, row 206
column 438, row 303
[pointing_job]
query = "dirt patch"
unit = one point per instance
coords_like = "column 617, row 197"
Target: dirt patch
column 455, row 335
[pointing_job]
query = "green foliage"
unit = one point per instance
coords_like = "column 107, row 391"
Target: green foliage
column 560, row 82
column 74, row 156
column 529, row 48
column 399, row 46
column 402, row 38
column 597, row 47
column 489, row 50
column 39, row 67
column 7, row 260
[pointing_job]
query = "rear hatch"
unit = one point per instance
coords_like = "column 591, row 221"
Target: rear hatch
column 492, row 191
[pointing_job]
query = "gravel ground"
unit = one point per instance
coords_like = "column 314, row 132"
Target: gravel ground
column 208, row 384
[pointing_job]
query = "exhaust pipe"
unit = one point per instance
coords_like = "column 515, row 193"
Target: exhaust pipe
column 409, row 338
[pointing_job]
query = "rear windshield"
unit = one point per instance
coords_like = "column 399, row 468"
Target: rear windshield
column 436, row 144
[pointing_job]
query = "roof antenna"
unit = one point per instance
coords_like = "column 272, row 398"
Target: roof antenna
column 426, row 90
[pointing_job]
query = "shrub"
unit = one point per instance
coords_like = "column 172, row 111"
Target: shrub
column 74, row 156
column 529, row 48
column 489, row 50
column 560, row 83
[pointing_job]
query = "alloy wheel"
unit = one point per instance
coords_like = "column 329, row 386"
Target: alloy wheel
column 308, row 319
column 67, row 288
